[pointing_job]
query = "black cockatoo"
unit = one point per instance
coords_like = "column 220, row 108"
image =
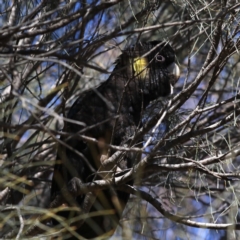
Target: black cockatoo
column 112, row 112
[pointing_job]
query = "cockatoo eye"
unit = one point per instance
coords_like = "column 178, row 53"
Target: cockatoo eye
column 160, row 58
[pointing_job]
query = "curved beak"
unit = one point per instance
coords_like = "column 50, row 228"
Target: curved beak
column 175, row 71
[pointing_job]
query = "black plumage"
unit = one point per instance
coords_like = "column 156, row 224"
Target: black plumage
column 142, row 73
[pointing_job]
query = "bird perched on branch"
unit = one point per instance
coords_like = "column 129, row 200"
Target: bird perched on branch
column 112, row 113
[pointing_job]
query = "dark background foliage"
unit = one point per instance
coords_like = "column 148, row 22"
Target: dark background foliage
column 51, row 51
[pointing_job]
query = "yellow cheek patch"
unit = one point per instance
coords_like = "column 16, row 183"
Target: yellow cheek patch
column 140, row 67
